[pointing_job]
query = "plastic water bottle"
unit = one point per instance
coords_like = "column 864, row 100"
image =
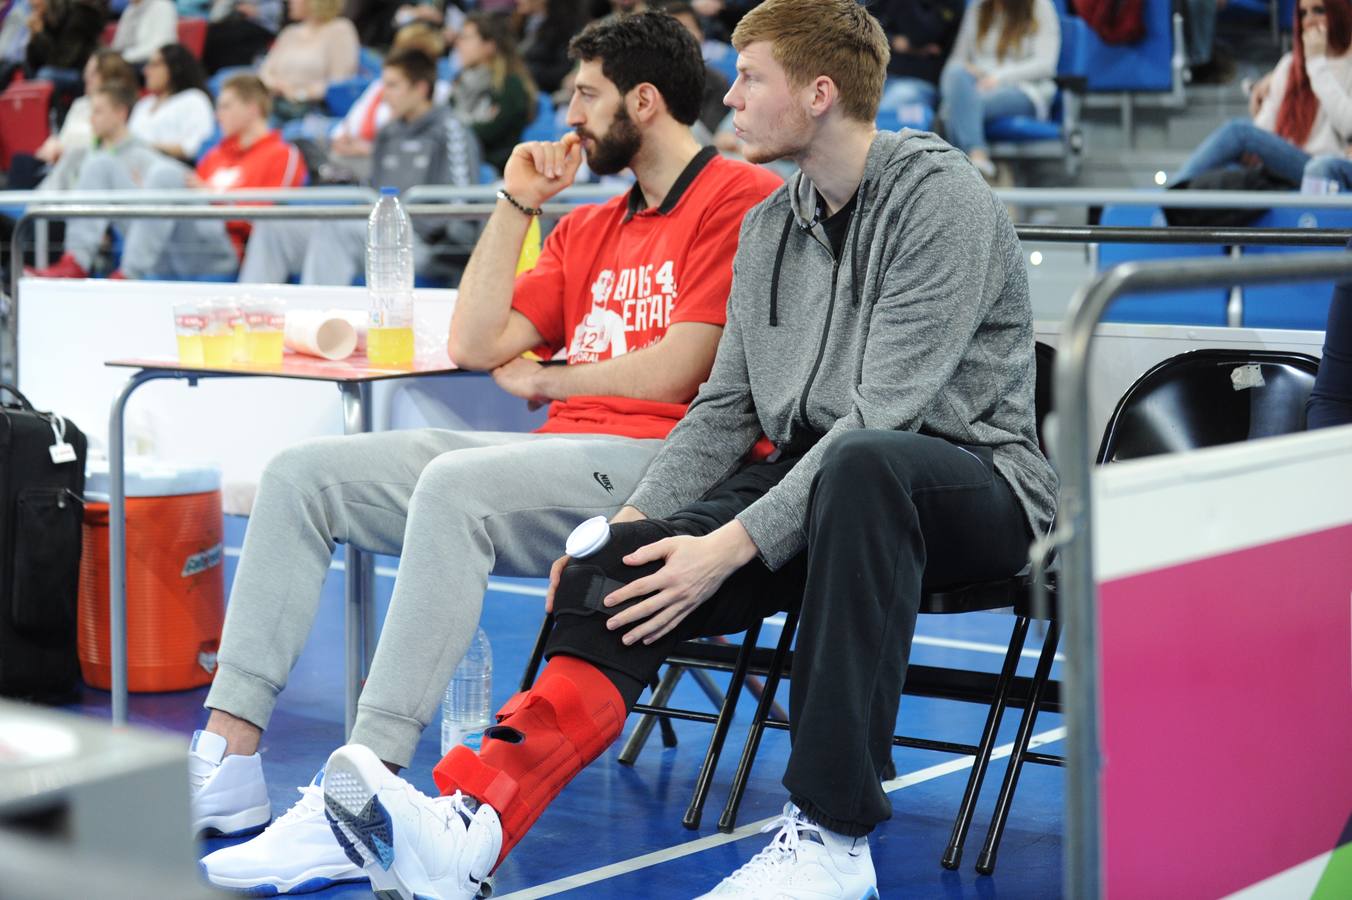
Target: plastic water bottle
column 468, row 706
column 389, row 282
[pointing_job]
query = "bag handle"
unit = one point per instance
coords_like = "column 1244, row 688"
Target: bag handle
column 23, row 401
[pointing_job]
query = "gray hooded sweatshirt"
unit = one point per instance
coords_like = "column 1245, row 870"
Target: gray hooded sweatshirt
column 922, row 325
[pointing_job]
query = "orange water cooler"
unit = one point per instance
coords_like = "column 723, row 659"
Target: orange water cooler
column 175, row 576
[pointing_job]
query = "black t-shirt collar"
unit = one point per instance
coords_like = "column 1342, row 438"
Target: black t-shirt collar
column 638, row 204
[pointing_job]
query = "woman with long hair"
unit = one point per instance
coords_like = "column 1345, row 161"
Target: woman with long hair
column 1307, row 111
column 175, row 117
column 494, row 93
column 1003, row 64
column 319, row 48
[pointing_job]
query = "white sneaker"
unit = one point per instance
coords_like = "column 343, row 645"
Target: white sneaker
column 413, row 847
column 804, row 862
column 229, row 796
column 296, row 854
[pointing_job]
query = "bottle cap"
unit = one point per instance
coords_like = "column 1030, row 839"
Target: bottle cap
column 389, row 190
column 588, row 537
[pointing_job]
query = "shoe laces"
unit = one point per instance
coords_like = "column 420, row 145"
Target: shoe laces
column 452, row 810
column 310, row 804
column 782, row 849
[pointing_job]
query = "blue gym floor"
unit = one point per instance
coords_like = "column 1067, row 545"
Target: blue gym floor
column 616, row 831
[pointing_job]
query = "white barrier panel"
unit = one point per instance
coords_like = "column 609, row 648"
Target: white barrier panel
column 68, row 328
column 1122, row 353
column 1225, row 577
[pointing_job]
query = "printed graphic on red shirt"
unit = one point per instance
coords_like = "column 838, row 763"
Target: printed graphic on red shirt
column 628, row 312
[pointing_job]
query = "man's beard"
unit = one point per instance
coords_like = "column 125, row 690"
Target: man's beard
column 615, row 150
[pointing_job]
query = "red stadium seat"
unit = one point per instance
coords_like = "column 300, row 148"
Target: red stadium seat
column 192, row 33
column 25, row 108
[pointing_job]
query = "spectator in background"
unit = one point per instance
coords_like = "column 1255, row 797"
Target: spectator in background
column 494, row 93
column 711, row 108
column 422, row 144
column 145, row 26
column 175, row 116
column 1330, row 402
column 318, row 49
column 119, row 160
column 1305, row 107
column 353, row 138
column 1003, row 64
column 13, row 38
column 62, row 35
column 921, row 34
column 77, row 133
column 545, row 27
column 240, row 31
column 250, row 155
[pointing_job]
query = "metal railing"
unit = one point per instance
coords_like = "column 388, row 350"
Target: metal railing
column 1077, row 594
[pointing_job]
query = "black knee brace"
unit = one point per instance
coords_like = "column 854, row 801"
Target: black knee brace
column 579, row 614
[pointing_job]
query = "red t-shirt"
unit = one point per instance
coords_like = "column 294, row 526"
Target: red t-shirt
column 268, row 162
column 612, row 278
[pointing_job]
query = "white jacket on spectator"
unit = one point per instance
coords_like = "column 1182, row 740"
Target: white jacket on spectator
column 145, row 26
column 1331, row 81
column 184, row 120
column 1031, row 66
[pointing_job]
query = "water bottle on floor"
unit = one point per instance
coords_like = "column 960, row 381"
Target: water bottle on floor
column 468, row 706
column 389, row 282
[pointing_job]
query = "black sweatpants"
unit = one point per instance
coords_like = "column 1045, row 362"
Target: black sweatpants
column 891, row 514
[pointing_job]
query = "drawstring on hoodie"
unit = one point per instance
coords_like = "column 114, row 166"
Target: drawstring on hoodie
column 855, row 228
column 774, row 278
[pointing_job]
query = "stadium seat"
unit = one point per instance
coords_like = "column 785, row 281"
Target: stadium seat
column 722, row 58
column 369, row 63
column 217, row 81
column 1197, row 307
column 542, row 127
column 1303, row 305
column 1145, row 66
column 340, row 96
column 911, row 115
column 1207, row 398
column 25, row 109
column 1058, row 137
column 192, row 33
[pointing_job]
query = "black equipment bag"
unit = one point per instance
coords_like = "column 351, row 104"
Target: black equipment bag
column 42, row 469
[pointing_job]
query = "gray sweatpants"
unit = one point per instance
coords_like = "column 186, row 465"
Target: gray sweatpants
column 329, row 253
column 454, row 506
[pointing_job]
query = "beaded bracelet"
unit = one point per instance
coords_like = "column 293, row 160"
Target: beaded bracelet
column 528, row 210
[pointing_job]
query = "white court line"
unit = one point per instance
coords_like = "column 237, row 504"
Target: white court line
column 689, row 848
column 530, row 590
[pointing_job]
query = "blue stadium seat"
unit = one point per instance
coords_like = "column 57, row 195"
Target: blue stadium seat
column 340, row 96
column 215, row 82
column 723, row 58
column 1296, row 305
column 911, row 115
column 1200, row 307
column 542, row 127
column 369, row 63
column 1145, row 66
column 1058, row 136
column 210, row 142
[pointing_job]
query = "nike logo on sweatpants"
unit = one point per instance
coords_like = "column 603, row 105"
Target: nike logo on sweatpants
column 604, row 480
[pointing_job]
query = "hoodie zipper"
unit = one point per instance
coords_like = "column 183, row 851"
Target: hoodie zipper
column 826, row 331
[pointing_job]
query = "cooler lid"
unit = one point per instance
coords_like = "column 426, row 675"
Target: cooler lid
column 149, row 477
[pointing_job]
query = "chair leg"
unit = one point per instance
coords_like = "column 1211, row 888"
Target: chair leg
column 725, row 714
column 985, row 863
column 537, row 654
column 755, row 687
column 709, row 686
column 953, row 852
column 728, row 820
column 639, row 736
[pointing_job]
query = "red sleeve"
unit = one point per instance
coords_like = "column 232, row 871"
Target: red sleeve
column 539, row 293
column 281, row 167
column 706, row 279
